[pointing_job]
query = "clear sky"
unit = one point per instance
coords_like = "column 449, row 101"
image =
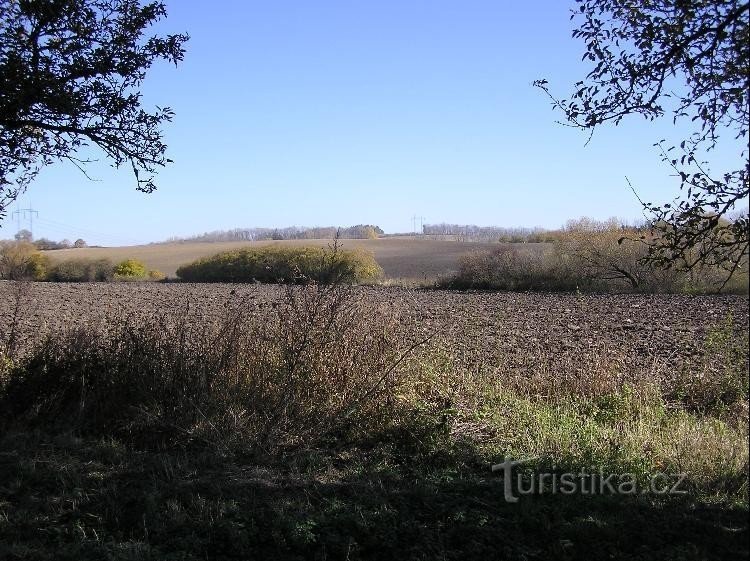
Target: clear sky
column 346, row 112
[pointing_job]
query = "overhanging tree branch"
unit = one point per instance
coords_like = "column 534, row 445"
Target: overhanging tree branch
column 70, row 74
column 639, row 50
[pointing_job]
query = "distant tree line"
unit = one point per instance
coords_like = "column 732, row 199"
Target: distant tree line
column 360, row 232
column 469, row 232
column 44, row 244
column 472, row 233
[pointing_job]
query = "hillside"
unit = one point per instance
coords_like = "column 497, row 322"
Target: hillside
column 413, row 259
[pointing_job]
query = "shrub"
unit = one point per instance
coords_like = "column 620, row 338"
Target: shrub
column 155, row 275
column 82, row 270
column 274, row 263
column 615, row 254
column 21, row 260
column 321, row 363
column 600, row 252
column 589, row 255
column 39, row 266
column 511, row 268
column 130, row 269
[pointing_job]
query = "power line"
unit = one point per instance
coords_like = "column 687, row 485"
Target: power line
column 414, row 224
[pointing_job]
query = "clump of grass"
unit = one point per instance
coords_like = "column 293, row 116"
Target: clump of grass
column 591, row 414
column 717, row 381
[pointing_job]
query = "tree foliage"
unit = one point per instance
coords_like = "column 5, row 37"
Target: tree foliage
column 688, row 59
column 274, row 263
column 81, row 270
column 360, row 231
column 131, row 269
column 70, row 74
column 20, row 260
column 24, row 236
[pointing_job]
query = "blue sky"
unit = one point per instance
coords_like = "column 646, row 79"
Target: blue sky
column 346, row 112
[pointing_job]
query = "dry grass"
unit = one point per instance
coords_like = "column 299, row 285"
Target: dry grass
column 320, row 361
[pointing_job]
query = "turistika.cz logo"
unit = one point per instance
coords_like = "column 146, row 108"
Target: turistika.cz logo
column 583, row 482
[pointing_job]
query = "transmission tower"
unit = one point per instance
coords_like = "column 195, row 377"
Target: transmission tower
column 23, row 213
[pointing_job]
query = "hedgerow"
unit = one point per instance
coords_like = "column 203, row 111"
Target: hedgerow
column 293, row 265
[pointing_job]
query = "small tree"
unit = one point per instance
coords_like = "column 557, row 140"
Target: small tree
column 130, row 269
column 21, row 260
column 80, row 243
column 45, row 244
column 24, row 236
column 598, row 253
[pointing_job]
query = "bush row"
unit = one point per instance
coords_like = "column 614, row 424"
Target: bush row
column 588, row 256
column 297, row 265
column 21, row 260
column 271, row 264
column 88, row 270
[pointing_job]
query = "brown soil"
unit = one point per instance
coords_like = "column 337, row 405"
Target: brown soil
column 482, row 330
